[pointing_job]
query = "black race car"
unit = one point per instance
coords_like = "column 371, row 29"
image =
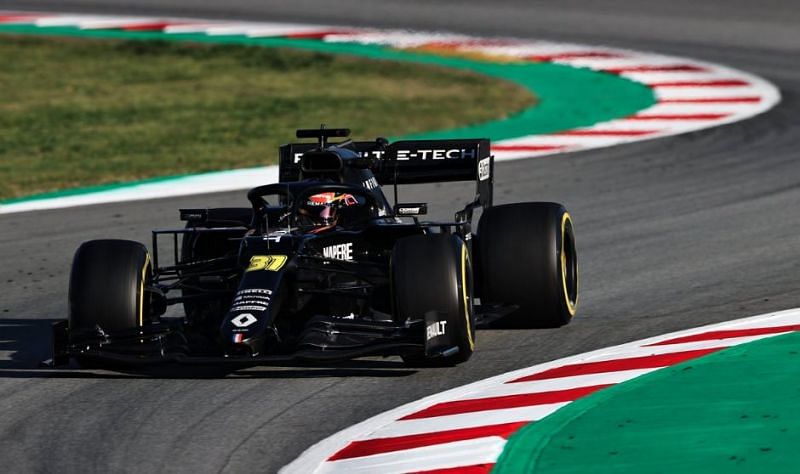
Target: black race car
column 322, row 267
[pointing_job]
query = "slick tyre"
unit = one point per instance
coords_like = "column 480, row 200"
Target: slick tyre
column 432, row 273
column 107, row 286
column 528, row 258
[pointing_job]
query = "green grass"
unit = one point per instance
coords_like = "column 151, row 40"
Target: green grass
column 77, row 112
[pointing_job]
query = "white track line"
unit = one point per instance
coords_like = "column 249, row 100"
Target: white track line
column 467, row 420
column 441, row 456
column 562, row 383
column 184, row 186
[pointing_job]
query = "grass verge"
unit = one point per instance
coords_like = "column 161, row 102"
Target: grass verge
column 77, row 112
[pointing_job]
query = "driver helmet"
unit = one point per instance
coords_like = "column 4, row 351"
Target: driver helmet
column 322, row 208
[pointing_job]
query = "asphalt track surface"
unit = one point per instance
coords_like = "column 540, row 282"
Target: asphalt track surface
column 672, row 233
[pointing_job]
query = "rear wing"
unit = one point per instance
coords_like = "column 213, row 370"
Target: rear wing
column 412, row 162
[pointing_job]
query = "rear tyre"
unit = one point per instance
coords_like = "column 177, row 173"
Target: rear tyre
column 107, row 287
column 433, row 273
column 528, row 258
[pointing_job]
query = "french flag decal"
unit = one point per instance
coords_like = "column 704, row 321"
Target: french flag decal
column 238, row 337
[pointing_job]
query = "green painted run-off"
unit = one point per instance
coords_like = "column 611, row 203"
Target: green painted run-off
column 734, row 411
column 568, row 97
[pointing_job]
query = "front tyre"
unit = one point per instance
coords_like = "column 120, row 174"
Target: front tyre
column 432, row 280
column 528, row 258
column 107, row 287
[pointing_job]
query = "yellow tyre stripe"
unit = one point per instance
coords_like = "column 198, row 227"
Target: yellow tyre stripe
column 464, row 292
column 141, row 289
column 571, row 305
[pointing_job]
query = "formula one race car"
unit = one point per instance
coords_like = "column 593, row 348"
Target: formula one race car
column 321, row 267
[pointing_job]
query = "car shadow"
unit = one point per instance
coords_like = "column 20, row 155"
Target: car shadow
column 26, row 343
